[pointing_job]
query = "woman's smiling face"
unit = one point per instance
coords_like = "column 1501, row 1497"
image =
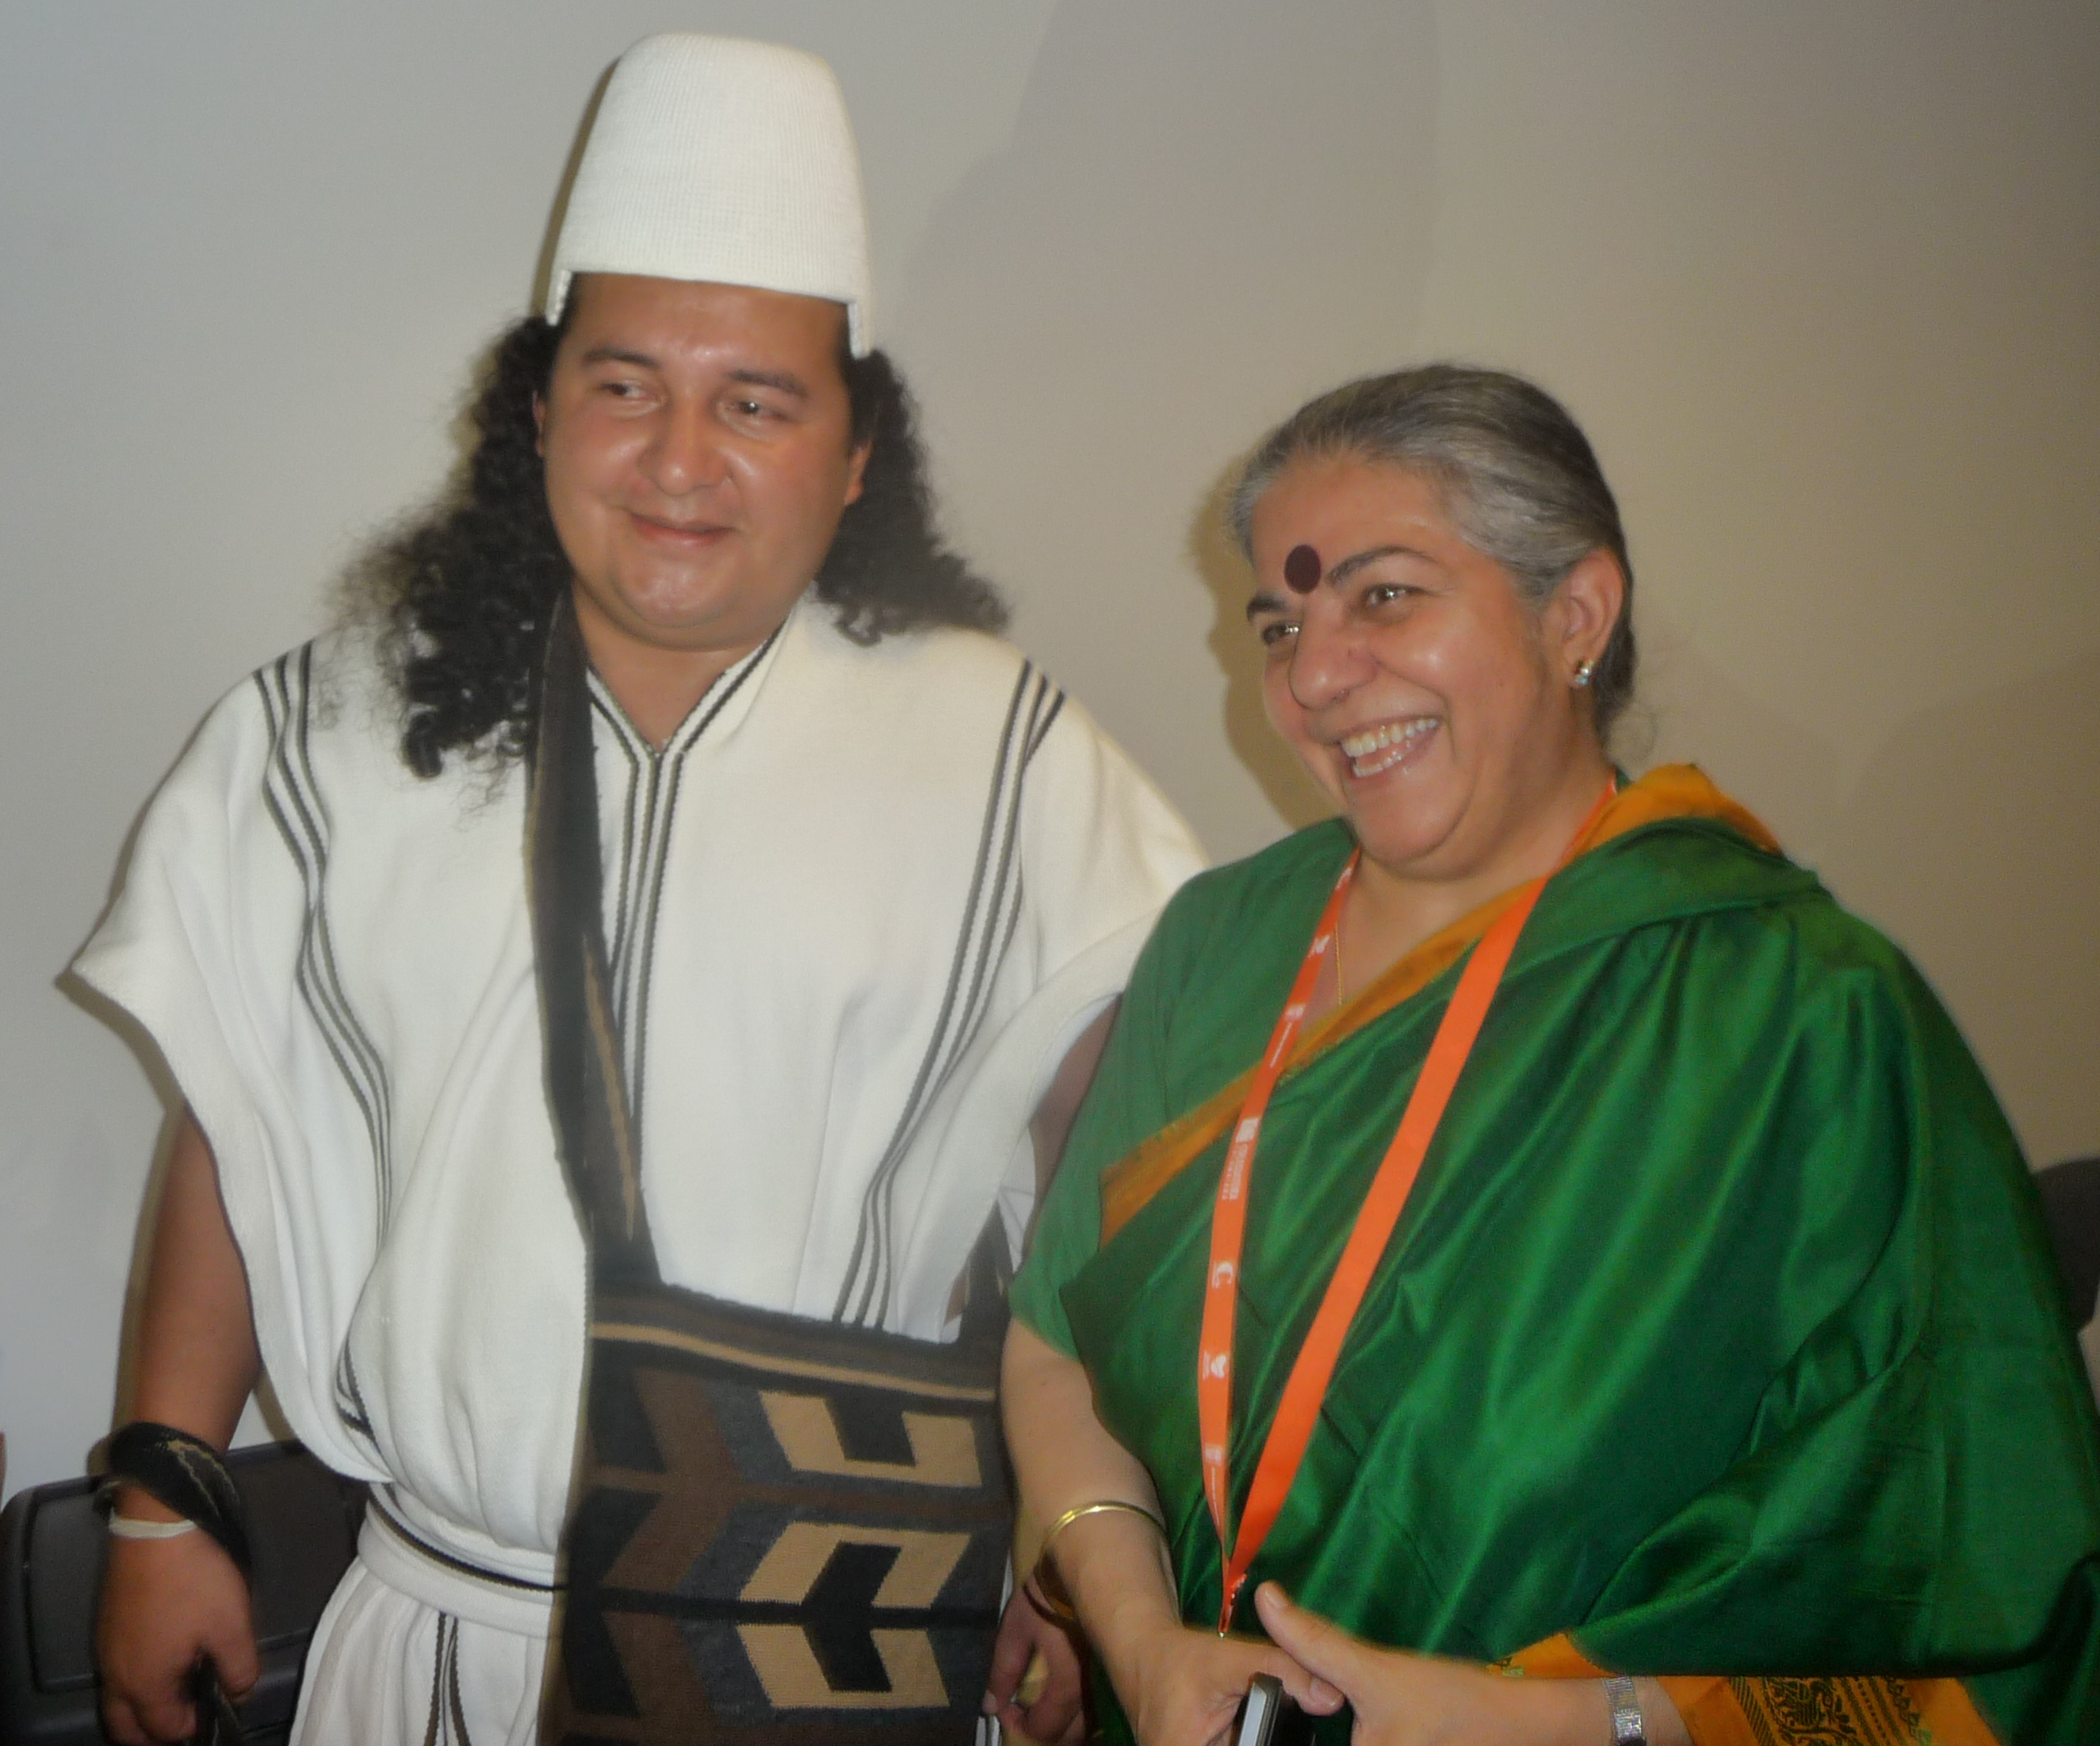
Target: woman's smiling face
column 1418, row 685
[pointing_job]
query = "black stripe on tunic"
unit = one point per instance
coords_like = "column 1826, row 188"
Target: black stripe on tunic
column 293, row 794
column 990, row 914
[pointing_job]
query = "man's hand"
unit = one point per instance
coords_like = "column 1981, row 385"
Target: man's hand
column 166, row 1605
column 1053, row 1715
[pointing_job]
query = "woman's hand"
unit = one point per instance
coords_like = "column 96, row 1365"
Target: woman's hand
column 167, row 1604
column 1180, row 1685
column 1404, row 1700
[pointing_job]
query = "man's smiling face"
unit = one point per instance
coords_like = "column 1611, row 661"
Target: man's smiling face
column 696, row 441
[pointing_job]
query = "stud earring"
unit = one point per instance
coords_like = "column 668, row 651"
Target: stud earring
column 1583, row 674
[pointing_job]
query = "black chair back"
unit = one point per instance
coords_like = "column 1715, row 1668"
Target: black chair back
column 2071, row 1200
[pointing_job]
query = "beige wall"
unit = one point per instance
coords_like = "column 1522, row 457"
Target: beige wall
column 1823, row 281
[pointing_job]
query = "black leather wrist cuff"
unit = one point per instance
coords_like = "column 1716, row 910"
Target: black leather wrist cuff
column 185, row 1473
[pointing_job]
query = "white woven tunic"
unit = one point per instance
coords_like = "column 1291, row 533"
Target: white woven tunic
column 856, row 910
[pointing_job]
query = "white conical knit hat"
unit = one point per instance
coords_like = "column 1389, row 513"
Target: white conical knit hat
column 718, row 159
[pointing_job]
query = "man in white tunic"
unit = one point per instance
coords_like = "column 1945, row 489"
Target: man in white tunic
column 869, row 885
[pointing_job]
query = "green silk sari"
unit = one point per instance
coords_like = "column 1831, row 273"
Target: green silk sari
column 1720, row 1334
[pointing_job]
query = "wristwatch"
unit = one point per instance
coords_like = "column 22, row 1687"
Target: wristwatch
column 1628, row 1727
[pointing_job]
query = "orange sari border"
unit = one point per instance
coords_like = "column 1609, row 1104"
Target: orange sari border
column 1670, row 791
column 1774, row 1711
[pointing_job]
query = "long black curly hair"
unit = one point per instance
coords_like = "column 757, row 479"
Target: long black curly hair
column 464, row 590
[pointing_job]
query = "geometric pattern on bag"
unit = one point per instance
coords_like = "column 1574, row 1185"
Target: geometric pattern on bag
column 786, row 1531
column 780, row 1530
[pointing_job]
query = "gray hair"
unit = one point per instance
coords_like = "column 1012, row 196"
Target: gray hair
column 1516, row 473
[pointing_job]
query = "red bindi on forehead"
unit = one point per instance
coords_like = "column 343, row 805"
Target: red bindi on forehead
column 1302, row 569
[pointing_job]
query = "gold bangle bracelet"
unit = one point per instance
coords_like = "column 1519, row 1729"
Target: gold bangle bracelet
column 1054, row 1598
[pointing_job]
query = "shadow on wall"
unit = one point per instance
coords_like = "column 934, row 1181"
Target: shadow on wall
column 1974, row 826
column 139, row 1041
column 543, row 269
column 1146, row 228
column 154, row 1065
column 1226, row 574
column 1174, row 249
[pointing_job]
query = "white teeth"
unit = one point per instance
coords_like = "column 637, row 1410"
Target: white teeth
column 1392, row 733
column 1380, row 749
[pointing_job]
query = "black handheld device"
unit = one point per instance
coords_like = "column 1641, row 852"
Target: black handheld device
column 217, row 1722
column 1259, row 1710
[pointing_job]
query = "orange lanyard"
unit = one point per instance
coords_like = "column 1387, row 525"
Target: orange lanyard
column 1307, row 1387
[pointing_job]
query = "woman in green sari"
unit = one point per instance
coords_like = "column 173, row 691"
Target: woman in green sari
column 1607, row 1299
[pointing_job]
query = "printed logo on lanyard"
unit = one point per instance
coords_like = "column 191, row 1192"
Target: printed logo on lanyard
column 1307, row 1387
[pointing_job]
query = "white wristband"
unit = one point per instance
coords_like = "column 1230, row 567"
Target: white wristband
column 137, row 1527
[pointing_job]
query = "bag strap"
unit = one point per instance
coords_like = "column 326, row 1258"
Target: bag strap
column 185, row 1474
column 564, row 882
